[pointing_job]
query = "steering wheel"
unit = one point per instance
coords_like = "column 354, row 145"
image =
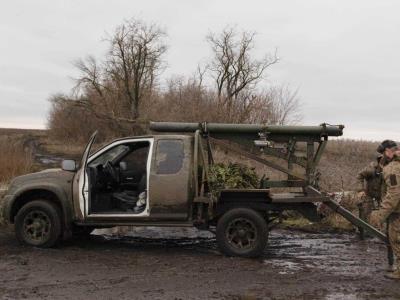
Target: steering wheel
column 110, row 170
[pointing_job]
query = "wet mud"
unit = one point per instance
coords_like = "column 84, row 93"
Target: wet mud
column 182, row 263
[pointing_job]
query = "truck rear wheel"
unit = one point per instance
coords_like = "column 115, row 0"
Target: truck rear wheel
column 242, row 232
column 38, row 224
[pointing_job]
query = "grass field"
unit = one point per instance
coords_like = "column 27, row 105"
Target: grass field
column 16, row 152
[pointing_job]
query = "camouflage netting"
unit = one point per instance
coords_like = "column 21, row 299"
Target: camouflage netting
column 232, row 176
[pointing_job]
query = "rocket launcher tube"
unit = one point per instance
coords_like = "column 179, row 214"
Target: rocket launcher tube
column 321, row 130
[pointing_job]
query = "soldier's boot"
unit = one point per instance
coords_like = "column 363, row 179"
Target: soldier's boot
column 395, row 275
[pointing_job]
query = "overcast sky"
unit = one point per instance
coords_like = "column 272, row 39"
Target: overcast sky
column 343, row 56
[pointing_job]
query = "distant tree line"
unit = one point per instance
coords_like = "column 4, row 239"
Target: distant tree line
column 120, row 93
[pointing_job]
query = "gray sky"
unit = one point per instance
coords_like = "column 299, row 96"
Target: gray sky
column 343, row 56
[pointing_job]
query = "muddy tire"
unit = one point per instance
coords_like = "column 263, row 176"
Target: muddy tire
column 38, row 223
column 242, row 232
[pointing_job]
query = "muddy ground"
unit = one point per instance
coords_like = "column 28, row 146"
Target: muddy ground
column 151, row 263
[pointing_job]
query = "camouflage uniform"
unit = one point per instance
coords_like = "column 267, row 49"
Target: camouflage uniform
column 383, row 163
column 371, row 182
column 390, row 208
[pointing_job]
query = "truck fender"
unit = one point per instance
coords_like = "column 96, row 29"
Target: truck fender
column 48, row 191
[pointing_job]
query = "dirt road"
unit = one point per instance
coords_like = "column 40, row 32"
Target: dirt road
column 181, row 264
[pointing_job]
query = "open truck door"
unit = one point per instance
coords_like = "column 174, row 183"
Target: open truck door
column 81, row 192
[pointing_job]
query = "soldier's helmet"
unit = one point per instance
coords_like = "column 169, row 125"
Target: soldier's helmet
column 385, row 145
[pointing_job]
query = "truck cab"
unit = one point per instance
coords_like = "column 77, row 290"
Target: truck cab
column 135, row 180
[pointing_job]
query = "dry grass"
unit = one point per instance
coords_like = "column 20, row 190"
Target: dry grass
column 342, row 161
column 332, row 222
column 14, row 160
column 64, row 149
column 348, row 200
column 17, row 132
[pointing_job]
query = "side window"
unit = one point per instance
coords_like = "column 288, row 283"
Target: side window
column 169, row 156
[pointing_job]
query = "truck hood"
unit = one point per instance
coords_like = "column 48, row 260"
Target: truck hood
column 45, row 175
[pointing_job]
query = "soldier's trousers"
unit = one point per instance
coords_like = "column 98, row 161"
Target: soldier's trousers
column 365, row 210
column 394, row 236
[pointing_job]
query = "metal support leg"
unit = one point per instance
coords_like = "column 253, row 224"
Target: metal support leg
column 356, row 221
column 390, row 255
column 361, row 215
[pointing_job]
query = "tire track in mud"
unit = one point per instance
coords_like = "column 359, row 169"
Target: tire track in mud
column 40, row 156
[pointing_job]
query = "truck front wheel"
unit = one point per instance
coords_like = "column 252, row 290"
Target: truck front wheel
column 242, row 232
column 38, row 224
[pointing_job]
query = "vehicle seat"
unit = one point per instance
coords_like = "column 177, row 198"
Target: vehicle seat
column 142, row 184
column 128, row 199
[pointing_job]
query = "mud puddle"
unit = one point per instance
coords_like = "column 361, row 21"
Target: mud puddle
column 40, row 156
column 48, row 160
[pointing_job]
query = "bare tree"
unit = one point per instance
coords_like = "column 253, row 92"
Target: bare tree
column 118, row 93
column 233, row 68
column 279, row 105
column 91, row 74
column 134, row 60
column 286, row 106
column 115, row 88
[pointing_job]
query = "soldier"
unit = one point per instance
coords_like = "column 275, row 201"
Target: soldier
column 390, row 206
column 370, row 189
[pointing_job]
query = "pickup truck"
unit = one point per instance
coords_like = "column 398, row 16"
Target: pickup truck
column 161, row 180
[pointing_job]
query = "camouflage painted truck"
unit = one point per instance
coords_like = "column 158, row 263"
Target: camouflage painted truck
column 162, row 180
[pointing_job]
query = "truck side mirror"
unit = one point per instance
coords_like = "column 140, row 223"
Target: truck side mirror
column 68, row 165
